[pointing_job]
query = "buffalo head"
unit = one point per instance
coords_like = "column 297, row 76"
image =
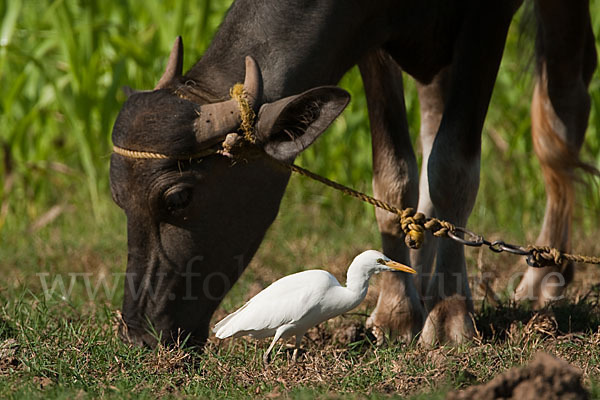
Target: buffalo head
column 193, row 224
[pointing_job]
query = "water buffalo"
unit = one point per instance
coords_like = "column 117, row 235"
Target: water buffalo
column 193, row 224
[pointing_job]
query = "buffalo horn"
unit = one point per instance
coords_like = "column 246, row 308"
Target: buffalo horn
column 216, row 120
column 174, row 66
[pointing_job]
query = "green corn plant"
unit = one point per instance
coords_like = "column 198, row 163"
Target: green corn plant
column 63, row 62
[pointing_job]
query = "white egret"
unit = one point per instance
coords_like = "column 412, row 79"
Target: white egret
column 297, row 302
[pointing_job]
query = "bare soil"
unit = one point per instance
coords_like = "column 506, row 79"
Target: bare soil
column 546, row 377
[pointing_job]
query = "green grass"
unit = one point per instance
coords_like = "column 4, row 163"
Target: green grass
column 62, row 64
column 63, row 344
column 51, row 349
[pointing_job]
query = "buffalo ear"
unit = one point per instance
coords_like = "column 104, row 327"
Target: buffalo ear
column 288, row 126
column 129, row 91
column 174, row 65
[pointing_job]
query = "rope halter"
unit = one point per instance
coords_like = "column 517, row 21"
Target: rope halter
column 247, row 115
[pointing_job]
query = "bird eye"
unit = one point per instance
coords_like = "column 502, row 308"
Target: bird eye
column 380, row 261
column 177, row 198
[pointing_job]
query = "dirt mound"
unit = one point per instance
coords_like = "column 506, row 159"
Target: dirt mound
column 546, row 377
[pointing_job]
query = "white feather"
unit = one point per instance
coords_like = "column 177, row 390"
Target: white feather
column 297, row 302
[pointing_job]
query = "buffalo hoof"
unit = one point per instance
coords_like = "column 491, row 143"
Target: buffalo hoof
column 541, row 286
column 138, row 338
column 399, row 313
column 448, row 322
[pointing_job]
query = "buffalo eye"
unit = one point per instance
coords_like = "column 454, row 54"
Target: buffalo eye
column 177, row 198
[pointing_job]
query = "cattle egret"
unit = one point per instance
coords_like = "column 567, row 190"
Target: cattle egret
column 297, row 302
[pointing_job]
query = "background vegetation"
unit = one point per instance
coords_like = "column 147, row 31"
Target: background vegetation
column 62, row 64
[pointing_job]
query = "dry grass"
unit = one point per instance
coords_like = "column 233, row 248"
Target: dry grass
column 55, row 347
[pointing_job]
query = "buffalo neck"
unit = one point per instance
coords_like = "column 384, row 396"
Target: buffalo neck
column 297, row 45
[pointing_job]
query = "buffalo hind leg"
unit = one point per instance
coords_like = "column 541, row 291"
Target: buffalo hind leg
column 395, row 175
column 559, row 113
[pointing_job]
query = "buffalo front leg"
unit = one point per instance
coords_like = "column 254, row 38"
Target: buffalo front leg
column 431, row 100
column 559, row 114
column 453, row 165
column 395, row 180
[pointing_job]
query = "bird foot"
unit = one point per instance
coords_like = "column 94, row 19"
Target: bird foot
column 266, row 359
column 448, row 322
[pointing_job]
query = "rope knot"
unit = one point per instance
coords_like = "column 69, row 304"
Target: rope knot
column 544, row 256
column 438, row 227
column 411, row 223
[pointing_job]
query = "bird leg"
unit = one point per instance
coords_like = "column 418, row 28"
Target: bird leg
column 298, row 341
column 268, row 352
column 278, row 334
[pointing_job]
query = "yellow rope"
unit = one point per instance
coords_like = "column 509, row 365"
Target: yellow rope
column 413, row 224
column 160, row 156
column 247, row 115
column 547, row 256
